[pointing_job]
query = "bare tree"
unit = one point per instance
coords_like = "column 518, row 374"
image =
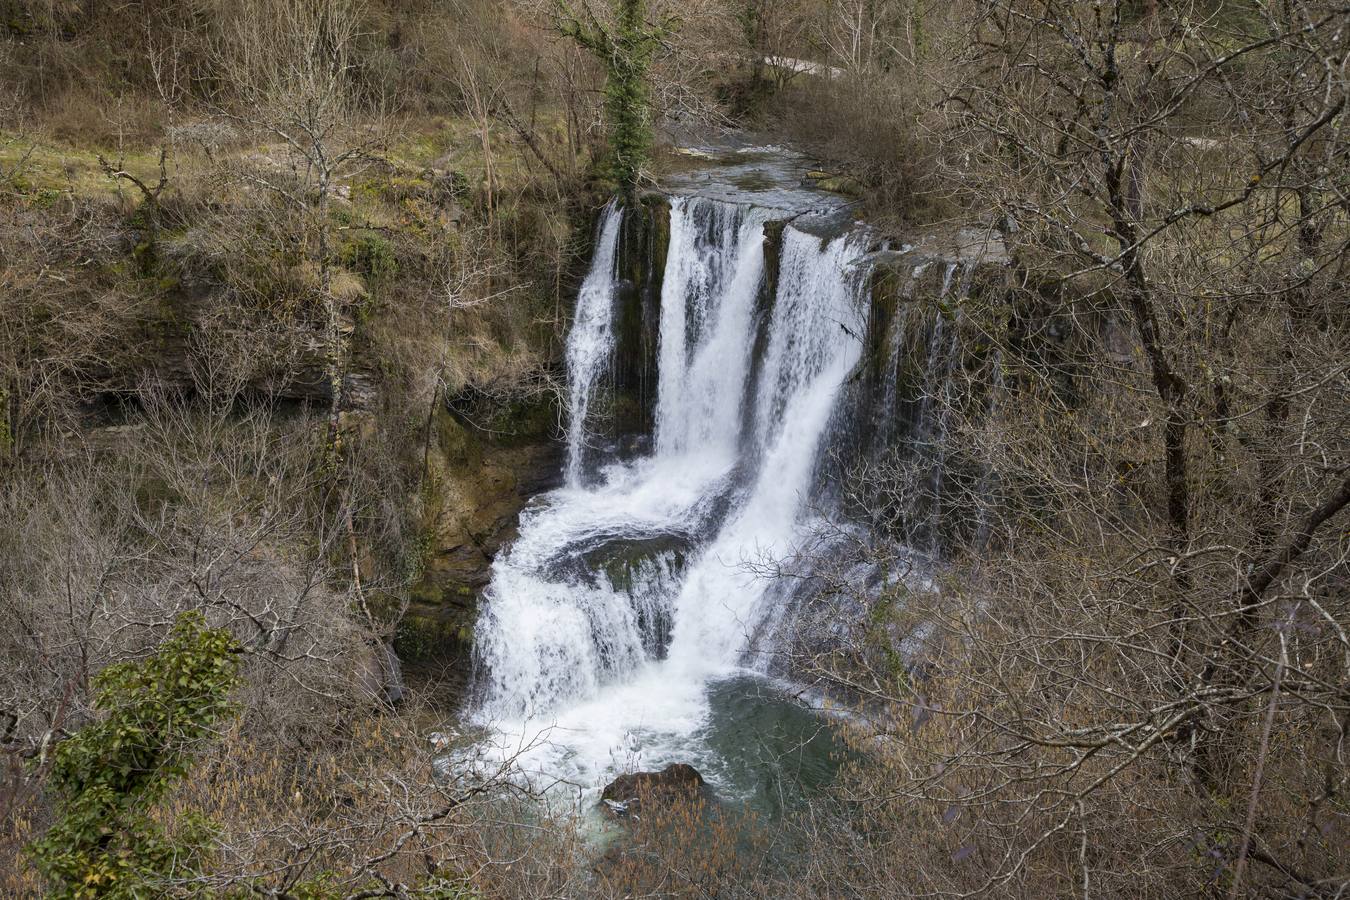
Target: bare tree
column 293, row 78
column 1146, row 658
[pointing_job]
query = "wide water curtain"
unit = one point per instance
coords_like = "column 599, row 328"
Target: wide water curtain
column 714, row 272
column 812, row 345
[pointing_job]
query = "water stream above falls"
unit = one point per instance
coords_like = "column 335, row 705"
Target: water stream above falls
column 630, row 624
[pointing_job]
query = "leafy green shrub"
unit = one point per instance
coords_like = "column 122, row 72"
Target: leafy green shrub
column 108, row 776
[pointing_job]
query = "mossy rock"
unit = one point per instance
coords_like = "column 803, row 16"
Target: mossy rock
column 424, row 638
column 430, row 593
column 773, row 254
column 526, row 420
column 457, row 443
column 619, row 560
column 846, row 185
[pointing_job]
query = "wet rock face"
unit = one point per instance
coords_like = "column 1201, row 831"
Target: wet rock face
column 621, row 559
column 622, row 415
column 625, row 795
column 476, row 486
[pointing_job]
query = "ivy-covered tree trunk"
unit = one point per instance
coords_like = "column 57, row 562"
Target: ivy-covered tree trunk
column 627, row 96
column 626, row 49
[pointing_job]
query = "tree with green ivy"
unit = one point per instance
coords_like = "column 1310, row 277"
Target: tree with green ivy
column 626, row 49
column 107, row 778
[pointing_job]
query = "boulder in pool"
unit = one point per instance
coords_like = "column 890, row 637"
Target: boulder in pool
column 625, row 794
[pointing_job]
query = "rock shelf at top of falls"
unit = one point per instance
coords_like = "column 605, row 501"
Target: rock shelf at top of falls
column 767, row 177
column 637, row 588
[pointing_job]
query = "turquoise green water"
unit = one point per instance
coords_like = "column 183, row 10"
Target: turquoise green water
column 765, row 748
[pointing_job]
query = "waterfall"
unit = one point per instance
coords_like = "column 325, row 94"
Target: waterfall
column 812, row 345
column 591, row 341
column 551, row 633
column 713, row 275
column 628, row 593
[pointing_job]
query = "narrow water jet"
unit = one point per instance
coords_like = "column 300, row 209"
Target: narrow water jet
column 591, row 340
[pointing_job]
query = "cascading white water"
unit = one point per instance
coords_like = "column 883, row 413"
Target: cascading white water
column 813, row 344
column 549, row 636
column 707, row 319
column 559, row 644
column 591, row 340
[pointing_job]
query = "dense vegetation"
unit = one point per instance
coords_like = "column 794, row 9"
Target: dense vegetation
column 282, row 290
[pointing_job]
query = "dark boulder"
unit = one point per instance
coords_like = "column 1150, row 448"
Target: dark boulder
column 625, row 794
